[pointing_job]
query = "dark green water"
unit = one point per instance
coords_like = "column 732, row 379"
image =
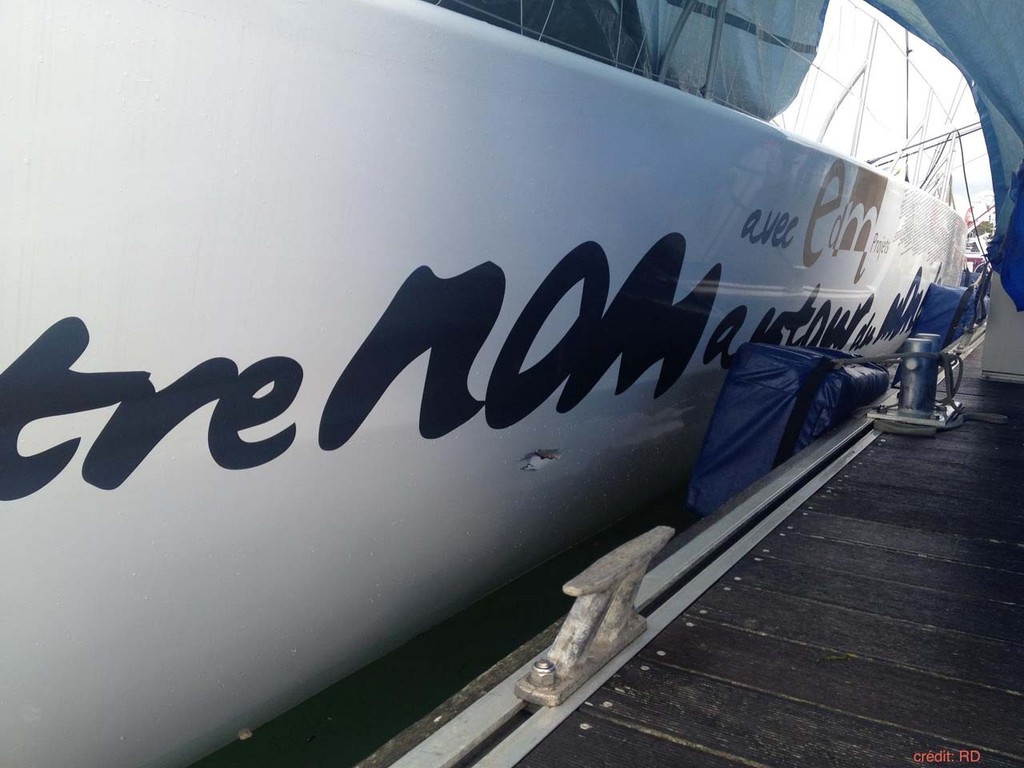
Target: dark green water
column 349, row 720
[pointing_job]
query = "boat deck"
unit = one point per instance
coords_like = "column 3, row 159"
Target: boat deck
column 881, row 623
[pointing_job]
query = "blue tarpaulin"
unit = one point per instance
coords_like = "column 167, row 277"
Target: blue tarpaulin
column 775, row 402
column 1006, row 250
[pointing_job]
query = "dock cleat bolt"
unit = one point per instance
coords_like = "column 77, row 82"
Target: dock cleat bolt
column 543, row 673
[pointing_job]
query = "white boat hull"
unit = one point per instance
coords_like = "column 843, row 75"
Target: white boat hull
column 193, row 188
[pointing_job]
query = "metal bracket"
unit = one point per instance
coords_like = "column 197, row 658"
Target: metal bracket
column 602, row 621
column 941, row 418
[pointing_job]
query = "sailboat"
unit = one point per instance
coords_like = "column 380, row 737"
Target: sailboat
column 321, row 320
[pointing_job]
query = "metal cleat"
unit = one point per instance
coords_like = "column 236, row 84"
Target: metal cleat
column 602, row 621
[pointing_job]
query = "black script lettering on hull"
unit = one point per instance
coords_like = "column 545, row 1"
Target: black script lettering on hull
column 451, row 319
column 641, row 326
column 40, row 384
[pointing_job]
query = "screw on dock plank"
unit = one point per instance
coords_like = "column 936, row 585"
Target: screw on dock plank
column 543, row 673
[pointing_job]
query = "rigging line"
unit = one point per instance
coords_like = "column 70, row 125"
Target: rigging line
column 839, row 102
column 505, row 23
column 937, row 158
column 938, row 139
column 762, row 58
column 677, row 30
column 883, row 17
column 714, row 54
column 802, row 108
column 618, row 38
column 548, row 18
column 898, row 154
column 812, row 64
column 868, row 66
column 743, row 24
column 639, row 50
column 910, row 65
column 924, row 127
column 967, row 189
column 940, row 154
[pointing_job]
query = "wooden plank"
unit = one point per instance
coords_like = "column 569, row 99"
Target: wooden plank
column 1002, row 389
column 950, row 709
column 901, row 567
column 986, row 403
column 937, row 452
column 979, row 435
column 904, row 450
column 756, row 726
column 1009, row 390
column 972, row 377
column 585, row 741
column 938, row 651
column 974, row 383
column 976, row 399
column 977, row 444
column 939, row 461
column 951, row 452
column 971, row 615
column 980, row 404
column 1000, row 495
column 995, row 498
column 909, row 511
column 979, row 441
column 1007, row 557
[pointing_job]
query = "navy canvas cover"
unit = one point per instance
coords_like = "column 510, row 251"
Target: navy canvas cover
column 1006, row 249
column 775, row 402
column 943, row 311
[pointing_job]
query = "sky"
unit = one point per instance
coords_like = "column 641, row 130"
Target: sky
column 939, row 99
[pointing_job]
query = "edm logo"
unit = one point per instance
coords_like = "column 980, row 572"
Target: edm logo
column 844, row 217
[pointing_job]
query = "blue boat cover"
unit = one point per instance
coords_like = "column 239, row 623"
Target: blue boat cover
column 1006, row 249
column 946, row 311
column 775, row 402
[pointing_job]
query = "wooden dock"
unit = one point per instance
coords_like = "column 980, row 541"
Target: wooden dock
column 880, row 624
